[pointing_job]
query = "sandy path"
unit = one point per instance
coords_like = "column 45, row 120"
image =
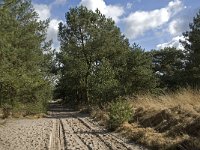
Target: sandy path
column 63, row 130
column 25, row 134
column 73, row 130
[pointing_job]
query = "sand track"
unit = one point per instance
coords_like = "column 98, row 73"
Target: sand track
column 25, row 134
column 63, row 130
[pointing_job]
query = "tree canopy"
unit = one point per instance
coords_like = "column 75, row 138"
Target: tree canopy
column 95, row 63
column 169, row 66
column 93, row 59
column 24, row 55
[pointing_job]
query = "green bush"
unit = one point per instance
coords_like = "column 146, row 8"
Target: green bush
column 28, row 109
column 120, row 112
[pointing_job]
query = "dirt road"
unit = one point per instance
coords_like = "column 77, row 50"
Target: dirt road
column 63, row 130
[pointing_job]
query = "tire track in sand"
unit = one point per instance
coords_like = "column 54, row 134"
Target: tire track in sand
column 74, row 131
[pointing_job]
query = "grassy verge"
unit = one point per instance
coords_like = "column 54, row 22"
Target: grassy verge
column 171, row 121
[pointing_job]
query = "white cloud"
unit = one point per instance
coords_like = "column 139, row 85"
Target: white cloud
column 175, row 42
column 179, row 25
column 53, row 29
column 140, row 21
column 43, row 11
column 113, row 11
column 175, row 27
column 52, row 32
column 175, row 6
column 129, row 5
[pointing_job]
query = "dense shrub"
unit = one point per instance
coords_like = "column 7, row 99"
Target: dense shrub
column 28, row 109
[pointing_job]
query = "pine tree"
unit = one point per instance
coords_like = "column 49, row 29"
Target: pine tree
column 103, row 83
column 96, row 62
column 88, row 40
column 192, row 47
column 169, row 66
column 24, row 55
column 138, row 76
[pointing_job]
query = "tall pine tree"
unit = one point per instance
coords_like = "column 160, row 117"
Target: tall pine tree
column 192, row 47
column 96, row 61
column 88, row 40
column 24, row 55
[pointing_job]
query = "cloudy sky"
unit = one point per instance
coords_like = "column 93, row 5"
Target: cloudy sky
column 153, row 24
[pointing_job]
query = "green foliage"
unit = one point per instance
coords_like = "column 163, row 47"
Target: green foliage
column 180, row 68
column 96, row 62
column 102, row 83
column 120, row 112
column 138, row 76
column 21, row 109
column 24, row 55
column 169, row 66
column 192, row 48
column 92, row 51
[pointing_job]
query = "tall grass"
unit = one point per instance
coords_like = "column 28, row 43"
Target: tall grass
column 170, row 121
column 187, row 99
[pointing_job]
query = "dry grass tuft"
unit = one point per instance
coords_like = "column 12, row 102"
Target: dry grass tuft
column 187, row 99
column 149, row 136
column 170, row 121
column 100, row 115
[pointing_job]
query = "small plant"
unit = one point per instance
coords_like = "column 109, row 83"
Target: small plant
column 6, row 108
column 120, row 112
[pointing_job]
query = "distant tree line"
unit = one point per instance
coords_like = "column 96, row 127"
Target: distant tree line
column 95, row 63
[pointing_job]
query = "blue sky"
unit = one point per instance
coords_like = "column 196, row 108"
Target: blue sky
column 153, row 24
